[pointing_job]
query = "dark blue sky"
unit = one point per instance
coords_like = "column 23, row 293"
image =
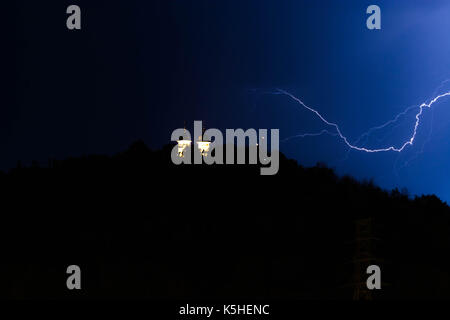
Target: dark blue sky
column 140, row 69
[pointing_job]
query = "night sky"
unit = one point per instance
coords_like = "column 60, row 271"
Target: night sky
column 139, row 69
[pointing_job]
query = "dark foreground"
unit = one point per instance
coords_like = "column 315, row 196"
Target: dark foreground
column 140, row 227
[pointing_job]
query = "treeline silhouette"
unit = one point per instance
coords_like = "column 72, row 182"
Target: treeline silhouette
column 142, row 227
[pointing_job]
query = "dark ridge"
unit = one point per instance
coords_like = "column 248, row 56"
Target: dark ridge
column 140, row 226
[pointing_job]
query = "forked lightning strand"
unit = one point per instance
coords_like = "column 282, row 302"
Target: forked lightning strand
column 354, row 147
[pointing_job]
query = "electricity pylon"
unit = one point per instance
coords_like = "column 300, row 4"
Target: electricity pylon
column 364, row 257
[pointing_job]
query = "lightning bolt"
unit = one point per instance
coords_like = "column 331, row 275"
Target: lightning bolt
column 392, row 121
column 304, row 135
column 408, row 142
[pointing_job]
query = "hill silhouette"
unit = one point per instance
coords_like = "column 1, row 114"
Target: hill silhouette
column 141, row 227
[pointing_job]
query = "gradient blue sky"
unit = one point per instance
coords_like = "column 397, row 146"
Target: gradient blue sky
column 139, row 70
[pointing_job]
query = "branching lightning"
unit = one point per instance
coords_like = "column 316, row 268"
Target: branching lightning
column 304, row 135
column 408, row 142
